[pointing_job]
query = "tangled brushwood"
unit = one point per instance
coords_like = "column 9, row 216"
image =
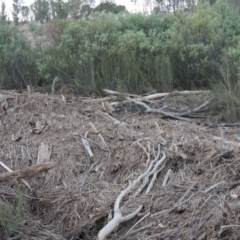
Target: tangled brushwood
column 119, row 167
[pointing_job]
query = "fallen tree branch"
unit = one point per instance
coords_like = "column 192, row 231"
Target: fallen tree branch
column 118, row 217
column 167, row 114
column 111, row 92
column 197, row 109
column 156, row 95
column 29, row 171
column 138, row 103
column 10, row 170
column 111, row 118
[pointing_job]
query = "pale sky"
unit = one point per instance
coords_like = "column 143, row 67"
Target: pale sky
column 139, row 7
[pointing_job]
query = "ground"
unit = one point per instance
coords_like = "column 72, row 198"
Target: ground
column 195, row 194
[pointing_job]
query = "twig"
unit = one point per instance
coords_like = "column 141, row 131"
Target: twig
column 148, row 173
column 89, row 140
column 197, row 109
column 86, row 175
column 100, row 136
column 213, row 186
column 139, row 103
column 147, row 153
column 29, row 171
column 163, row 141
column 165, row 180
column 137, row 230
column 167, row 211
column 136, row 224
column 10, row 170
column 150, row 186
column 112, row 118
column 87, row 146
column 184, row 195
column 167, row 114
column 142, row 139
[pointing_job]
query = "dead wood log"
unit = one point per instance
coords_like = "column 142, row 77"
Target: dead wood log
column 111, row 92
column 179, row 116
column 156, row 95
column 29, row 171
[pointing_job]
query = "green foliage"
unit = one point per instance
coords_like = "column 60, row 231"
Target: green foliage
column 54, row 30
column 36, row 28
column 17, row 60
column 41, row 10
column 85, row 11
column 25, row 11
column 16, row 10
column 109, row 7
column 11, row 216
column 95, row 48
column 110, row 52
column 226, row 104
column 3, row 15
column 226, row 85
column 192, row 48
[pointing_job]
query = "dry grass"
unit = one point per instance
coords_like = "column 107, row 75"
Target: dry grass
column 73, row 200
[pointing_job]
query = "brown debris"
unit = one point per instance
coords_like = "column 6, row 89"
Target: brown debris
column 28, row 172
column 193, row 193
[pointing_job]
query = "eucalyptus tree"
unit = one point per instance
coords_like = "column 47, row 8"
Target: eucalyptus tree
column 3, row 14
column 41, row 10
column 60, row 9
column 25, row 11
column 16, row 10
column 109, row 7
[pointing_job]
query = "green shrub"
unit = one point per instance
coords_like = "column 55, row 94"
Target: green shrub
column 17, row 60
column 11, row 216
column 226, row 104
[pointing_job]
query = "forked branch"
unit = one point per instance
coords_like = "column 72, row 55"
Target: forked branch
column 153, row 169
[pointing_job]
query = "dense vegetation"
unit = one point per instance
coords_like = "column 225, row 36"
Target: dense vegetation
column 107, row 48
